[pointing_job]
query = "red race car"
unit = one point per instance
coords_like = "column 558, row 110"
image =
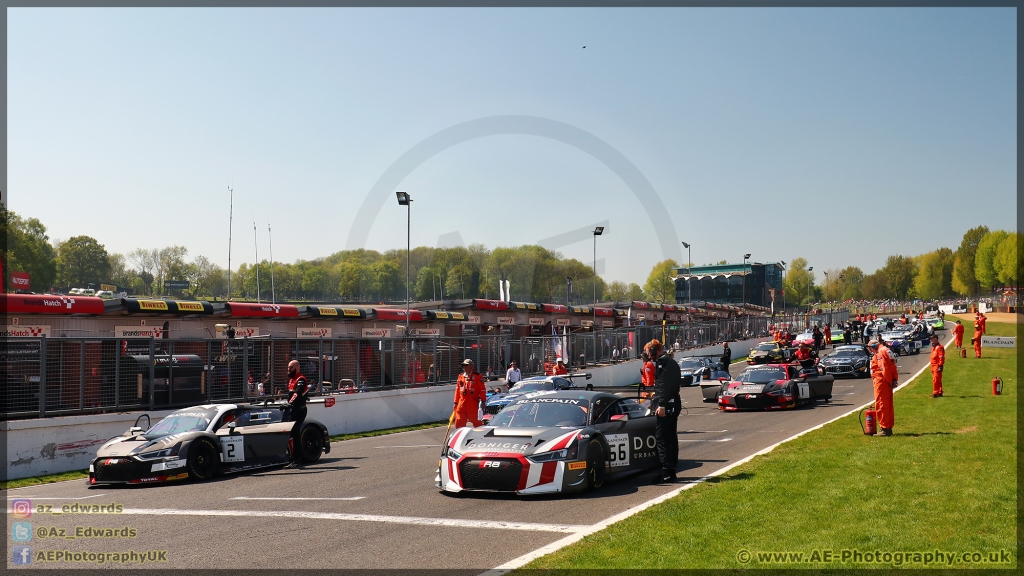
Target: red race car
column 775, row 387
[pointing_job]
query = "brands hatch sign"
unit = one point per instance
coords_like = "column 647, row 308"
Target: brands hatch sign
column 138, row 332
column 26, row 332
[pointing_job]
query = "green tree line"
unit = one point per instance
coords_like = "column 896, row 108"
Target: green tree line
column 985, row 260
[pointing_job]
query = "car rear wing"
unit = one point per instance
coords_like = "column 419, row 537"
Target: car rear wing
column 585, row 375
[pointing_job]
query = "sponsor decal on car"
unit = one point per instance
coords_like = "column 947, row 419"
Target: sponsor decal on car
column 577, row 465
column 167, row 465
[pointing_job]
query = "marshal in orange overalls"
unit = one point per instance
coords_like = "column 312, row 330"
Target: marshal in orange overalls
column 937, row 361
column 883, row 374
column 469, row 391
column 976, row 340
column 958, row 335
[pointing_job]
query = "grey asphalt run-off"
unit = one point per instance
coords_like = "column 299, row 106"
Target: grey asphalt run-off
column 380, row 509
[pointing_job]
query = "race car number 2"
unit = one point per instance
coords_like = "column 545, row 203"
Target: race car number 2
column 233, row 449
column 618, row 449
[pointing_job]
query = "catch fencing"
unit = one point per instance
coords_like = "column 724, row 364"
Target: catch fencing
column 61, row 376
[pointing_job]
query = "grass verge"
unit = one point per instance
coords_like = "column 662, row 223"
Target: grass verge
column 47, row 479
column 946, row 481
column 78, row 474
column 386, row 431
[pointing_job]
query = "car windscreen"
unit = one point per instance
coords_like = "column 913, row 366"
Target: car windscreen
column 690, row 364
column 768, row 347
column 535, row 386
column 847, row 354
column 543, row 412
column 179, row 422
column 762, row 375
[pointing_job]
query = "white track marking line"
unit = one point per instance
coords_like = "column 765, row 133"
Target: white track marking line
column 413, row 520
column 718, row 440
column 289, row 499
column 703, row 431
column 577, row 536
column 412, row 446
column 57, row 498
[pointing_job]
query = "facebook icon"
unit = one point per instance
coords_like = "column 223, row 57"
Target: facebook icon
column 21, row 555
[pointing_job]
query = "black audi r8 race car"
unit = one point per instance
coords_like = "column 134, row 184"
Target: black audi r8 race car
column 203, row 441
column 551, row 442
column 776, row 387
column 701, row 368
column 849, row 360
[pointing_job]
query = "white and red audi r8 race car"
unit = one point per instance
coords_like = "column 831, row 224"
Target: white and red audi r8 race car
column 549, row 442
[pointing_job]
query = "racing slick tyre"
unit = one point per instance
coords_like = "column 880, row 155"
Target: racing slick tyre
column 312, row 440
column 203, row 460
column 595, row 465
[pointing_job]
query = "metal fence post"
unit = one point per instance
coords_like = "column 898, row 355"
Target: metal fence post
column 117, row 375
column 320, row 369
column 435, row 366
column 208, row 370
column 245, row 368
column 81, row 374
column 152, row 373
column 42, row 376
column 170, row 373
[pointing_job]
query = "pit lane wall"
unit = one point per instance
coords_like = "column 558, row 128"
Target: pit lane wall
column 52, row 445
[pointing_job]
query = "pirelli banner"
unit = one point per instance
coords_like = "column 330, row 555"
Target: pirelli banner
column 137, row 306
column 445, row 316
column 337, row 312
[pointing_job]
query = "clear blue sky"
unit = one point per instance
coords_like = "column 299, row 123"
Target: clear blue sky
column 839, row 135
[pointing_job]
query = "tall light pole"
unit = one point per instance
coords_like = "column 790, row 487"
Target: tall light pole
column 405, row 200
column 256, row 248
column 273, row 291
column 689, row 265
column 597, row 232
column 231, row 214
column 784, row 272
column 744, row 295
column 810, row 280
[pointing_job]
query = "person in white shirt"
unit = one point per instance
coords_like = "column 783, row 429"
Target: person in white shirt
column 615, row 354
column 513, row 375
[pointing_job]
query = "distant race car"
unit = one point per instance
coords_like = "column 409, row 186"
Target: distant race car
column 901, row 342
column 775, row 387
column 849, row 360
column 535, row 384
column 936, row 323
column 837, row 336
column 203, row 441
column 551, row 442
column 768, row 353
column 701, row 368
column 806, row 336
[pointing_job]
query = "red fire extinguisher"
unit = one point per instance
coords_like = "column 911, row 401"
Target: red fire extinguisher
column 963, row 352
column 997, row 386
column 868, row 425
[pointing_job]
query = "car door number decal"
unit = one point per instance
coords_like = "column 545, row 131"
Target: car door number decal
column 618, row 449
column 805, row 390
column 233, row 448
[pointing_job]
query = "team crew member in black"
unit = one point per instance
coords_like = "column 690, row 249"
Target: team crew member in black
column 726, row 357
column 297, row 389
column 666, row 405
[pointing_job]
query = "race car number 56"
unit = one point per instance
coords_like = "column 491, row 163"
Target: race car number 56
column 233, row 448
column 618, row 449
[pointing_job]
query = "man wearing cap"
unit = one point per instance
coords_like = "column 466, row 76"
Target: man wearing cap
column 937, row 361
column 803, row 355
column 666, row 406
column 470, row 395
column 981, row 319
column 884, row 377
column 958, row 335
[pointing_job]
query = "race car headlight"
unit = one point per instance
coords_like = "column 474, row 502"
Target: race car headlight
column 777, row 393
column 453, row 454
column 165, row 453
column 563, row 454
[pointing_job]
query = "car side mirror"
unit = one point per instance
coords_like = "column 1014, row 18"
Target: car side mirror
column 231, row 427
column 133, row 431
column 142, row 422
column 722, row 379
column 620, row 418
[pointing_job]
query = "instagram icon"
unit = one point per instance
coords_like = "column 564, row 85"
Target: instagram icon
column 21, row 508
